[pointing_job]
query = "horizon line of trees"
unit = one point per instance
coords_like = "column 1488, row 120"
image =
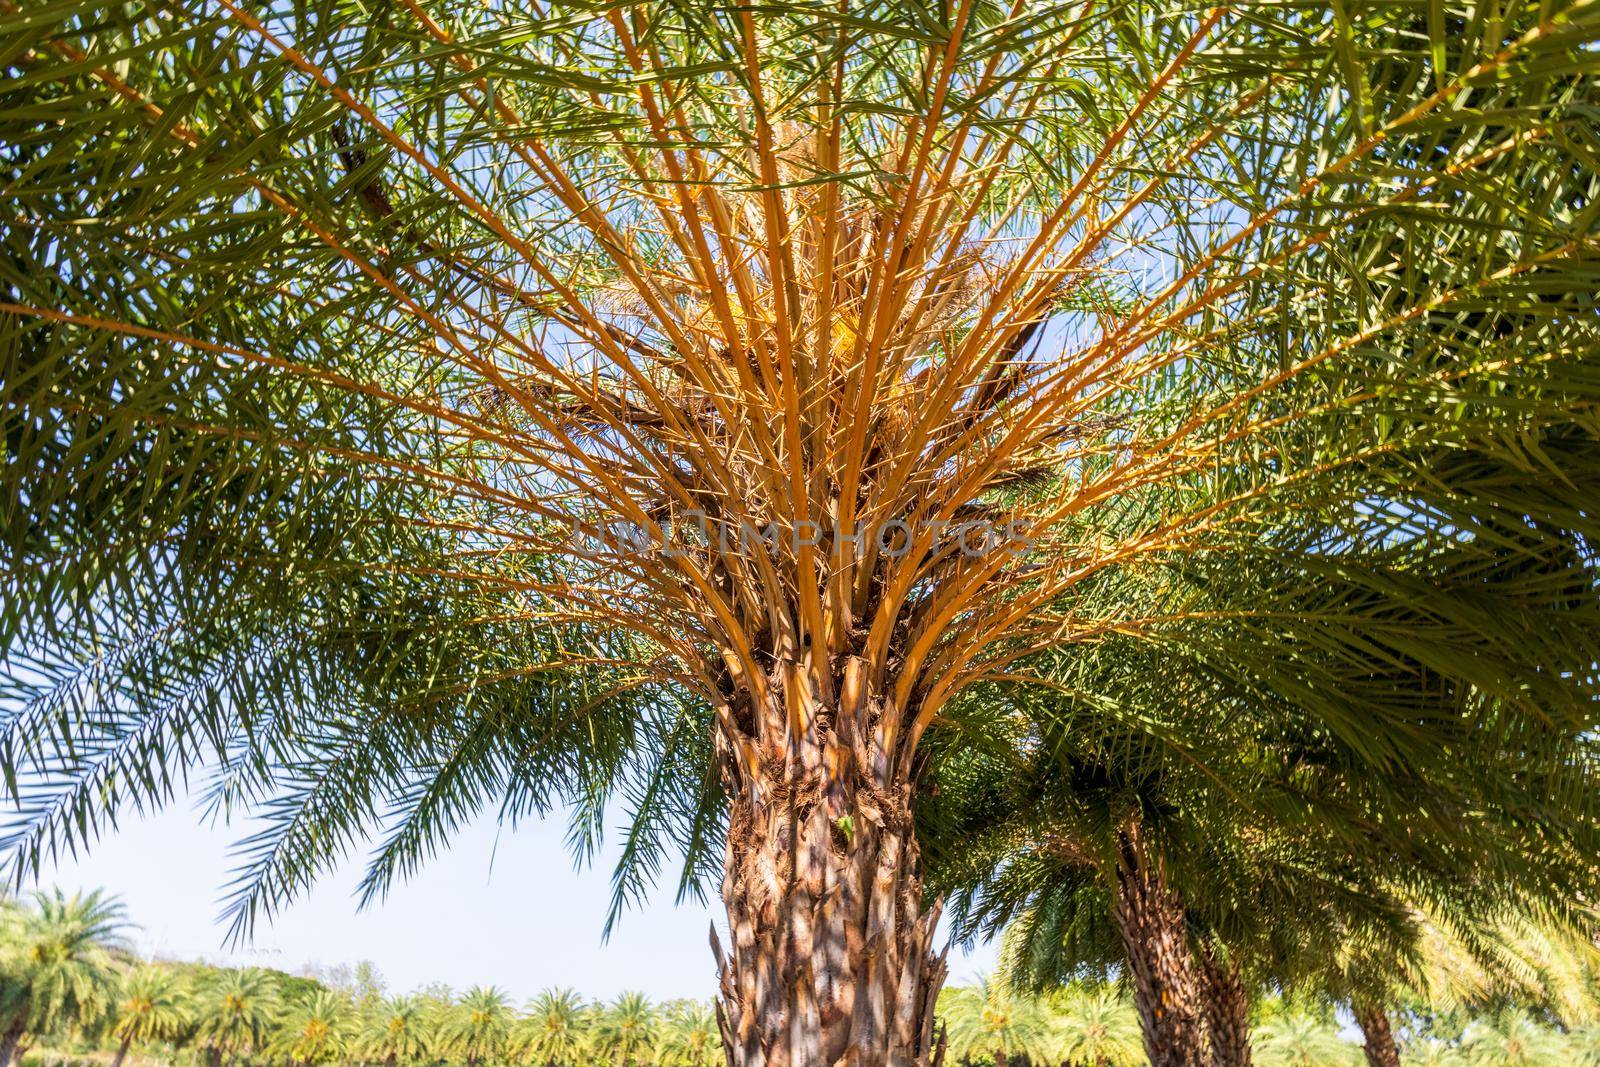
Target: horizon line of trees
column 73, row 992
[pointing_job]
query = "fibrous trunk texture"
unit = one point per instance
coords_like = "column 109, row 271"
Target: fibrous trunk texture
column 1227, row 1010
column 831, row 960
column 1377, row 1036
column 122, row 1052
column 1166, row 988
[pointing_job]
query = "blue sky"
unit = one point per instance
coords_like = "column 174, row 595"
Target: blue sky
column 503, row 908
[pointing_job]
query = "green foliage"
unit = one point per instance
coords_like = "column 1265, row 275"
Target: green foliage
column 625, row 1031
column 152, row 1008
column 989, row 1022
column 689, row 1037
column 1093, row 1026
column 1303, row 1041
column 394, row 1030
column 477, row 1029
column 60, row 963
column 237, row 1011
column 554, row 1029
column 161, row 1010
column 318, row 1030
column 285, row 443
column 1513, row 1038
column 1275, row 322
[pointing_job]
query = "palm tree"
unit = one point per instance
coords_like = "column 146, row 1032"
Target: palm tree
column 1469, row 954
column 690, row 1037
column 235, row 1013
column 554, row 1031
column 1584, row 1045
column 1434, row 1053
column 1513, row 1038
column 989, row 1022
column 1094, row 1026
column 62, row 967
column 151, row 1010
column 394, row 1031
column 693, row 400
column 626, row 1031
column 316, row 1031
column 1171, row 790
column 1298, row 1039
column 478, row 1027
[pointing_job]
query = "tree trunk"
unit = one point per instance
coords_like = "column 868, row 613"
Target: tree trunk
column 1155, row 937
column 122, row 1052
column 831, row 960
column 11, row 1043
column 1377, row 1036
column 1227, row 1007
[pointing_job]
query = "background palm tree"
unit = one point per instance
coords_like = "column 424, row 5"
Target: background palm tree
column 318, row 1030
column 393, row 1031
column 150, row 1010
column 554, row 1031
column 626, row 1031
column 235, row 1012
column 1512, row 1038
column 1131, row 826
column 61, row 967
column 1299, row 1039
column 1096, row 1026
column 478, row 1027
column 689, row 1037
column 988, row 1022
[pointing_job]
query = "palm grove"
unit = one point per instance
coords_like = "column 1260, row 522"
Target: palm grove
column 1124, row 470
column 73, row 994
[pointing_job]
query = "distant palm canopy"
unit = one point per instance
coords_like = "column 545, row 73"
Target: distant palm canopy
column 419, row 407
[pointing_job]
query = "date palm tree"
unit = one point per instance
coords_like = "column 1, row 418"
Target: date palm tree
column 477, row 1029
column 61, row 967
column 554, row 1031
column 470, row 405
column 393, row 1031
column 1170, row 849
column 988, row 1022
column 151, row 1010
column 1300, row 1039
column 236, row 1013
column 690, row 1037
column 1472, row 959
column 1096, row 1026
column 627, row 1031
column 316, row 1031
column 1513, row 1038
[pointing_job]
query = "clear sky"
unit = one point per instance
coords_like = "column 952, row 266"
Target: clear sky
column 503, row 908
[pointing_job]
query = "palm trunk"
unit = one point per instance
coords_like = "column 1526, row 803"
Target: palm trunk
column 831, row 960
column 1377, row 1036
column 1227, row 1006
column 1155, row 937
column 11, row 1043
column 122, row 1052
